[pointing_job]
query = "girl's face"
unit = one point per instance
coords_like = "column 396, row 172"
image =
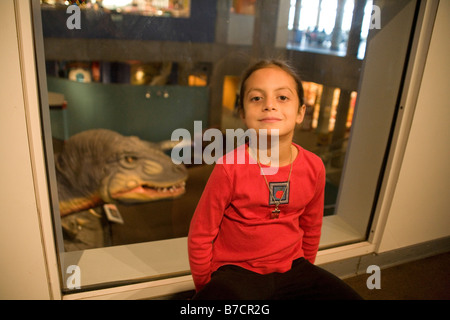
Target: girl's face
column 271, row 102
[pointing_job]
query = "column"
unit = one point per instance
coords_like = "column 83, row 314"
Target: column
column 295, row 31
column 318, row 14
column 264, row 34
column 354, row 36
column 337, row 30
column 324, row 115
column 222, row 20
column 340, row 129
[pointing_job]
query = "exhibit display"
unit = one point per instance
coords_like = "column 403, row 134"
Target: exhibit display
column 97, row 167
column 102, row 166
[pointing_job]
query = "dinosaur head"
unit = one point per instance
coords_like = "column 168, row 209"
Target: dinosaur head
column 101, row 166
column 146, row 174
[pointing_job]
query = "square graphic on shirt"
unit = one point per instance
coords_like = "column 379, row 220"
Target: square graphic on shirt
column 279, row 193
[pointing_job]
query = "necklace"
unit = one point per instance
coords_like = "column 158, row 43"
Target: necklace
column 276, row 212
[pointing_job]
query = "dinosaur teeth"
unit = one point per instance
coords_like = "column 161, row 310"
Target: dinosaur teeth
column 171, row 189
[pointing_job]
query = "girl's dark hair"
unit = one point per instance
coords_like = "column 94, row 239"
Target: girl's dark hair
column 266, row 64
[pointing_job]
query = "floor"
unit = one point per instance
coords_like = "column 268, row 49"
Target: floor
column 425, row 279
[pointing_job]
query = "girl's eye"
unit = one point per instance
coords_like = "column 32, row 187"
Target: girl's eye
column 255, row 99
column 283, row 98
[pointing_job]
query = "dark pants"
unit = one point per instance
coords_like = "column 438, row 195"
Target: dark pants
column 304, row 281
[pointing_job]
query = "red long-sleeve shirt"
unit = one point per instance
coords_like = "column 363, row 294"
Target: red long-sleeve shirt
column 232, row 223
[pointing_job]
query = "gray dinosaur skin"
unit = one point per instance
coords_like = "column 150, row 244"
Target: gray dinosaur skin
column 102, row 166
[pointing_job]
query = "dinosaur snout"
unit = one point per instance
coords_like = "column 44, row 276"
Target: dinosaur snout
column 152, row 168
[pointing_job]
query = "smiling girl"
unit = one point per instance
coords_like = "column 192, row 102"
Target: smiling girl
column 255, row 235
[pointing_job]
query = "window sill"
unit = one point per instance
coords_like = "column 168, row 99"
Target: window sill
column 162, row 267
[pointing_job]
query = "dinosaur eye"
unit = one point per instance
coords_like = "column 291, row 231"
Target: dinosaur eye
column 130, row 159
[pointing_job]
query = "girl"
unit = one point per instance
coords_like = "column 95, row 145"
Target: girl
column 255, row 235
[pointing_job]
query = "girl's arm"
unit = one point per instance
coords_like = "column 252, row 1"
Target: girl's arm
column 311, row 219
column 205, row 225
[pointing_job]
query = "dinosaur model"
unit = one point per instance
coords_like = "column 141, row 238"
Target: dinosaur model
column 102, row 166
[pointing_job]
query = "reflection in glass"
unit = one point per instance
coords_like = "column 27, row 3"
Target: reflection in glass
column 324, row 26
column 162, row 8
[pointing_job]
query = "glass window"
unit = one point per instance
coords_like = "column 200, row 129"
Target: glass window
column 113, row 70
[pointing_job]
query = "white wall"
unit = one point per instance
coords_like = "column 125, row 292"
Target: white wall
column 420, row 209
column 22, row 264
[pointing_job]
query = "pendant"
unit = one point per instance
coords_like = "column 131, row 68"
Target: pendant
column 275, row 213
